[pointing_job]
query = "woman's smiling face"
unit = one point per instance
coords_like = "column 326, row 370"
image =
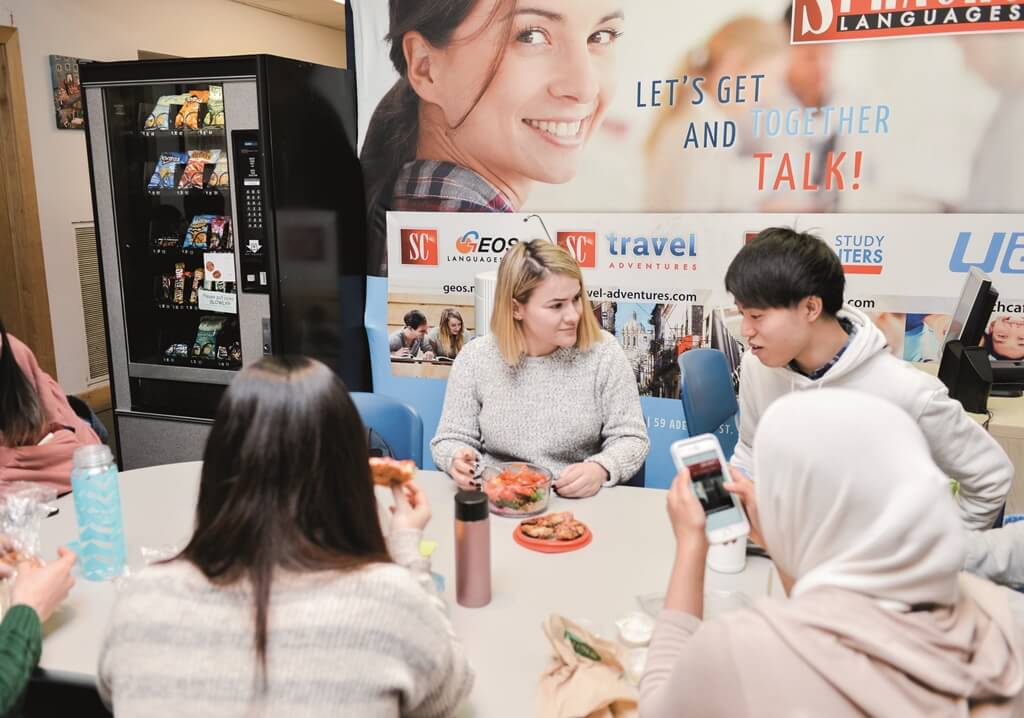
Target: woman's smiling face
column 551, row 90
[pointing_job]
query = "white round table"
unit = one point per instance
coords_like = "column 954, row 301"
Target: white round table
column 631, row 555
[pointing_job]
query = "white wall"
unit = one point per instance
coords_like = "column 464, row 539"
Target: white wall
column 117, row 30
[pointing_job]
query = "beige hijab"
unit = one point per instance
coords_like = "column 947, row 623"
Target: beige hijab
column 853, row 508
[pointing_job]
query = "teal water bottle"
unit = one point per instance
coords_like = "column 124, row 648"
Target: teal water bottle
column 101, row 552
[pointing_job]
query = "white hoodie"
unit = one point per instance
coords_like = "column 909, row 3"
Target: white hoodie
column 959, row 446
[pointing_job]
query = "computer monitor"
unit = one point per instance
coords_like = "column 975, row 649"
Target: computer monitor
column 973, row 309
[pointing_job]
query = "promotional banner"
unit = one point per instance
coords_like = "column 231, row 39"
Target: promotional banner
column 622, row 106
column 654, row 280
column 650, row 139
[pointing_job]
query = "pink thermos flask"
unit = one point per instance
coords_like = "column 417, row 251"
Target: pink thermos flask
column 472, row 549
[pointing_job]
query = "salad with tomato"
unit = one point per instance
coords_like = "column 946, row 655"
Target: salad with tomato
column 517, row 489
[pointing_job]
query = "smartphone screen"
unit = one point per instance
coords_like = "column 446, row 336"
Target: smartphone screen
column 706, row 474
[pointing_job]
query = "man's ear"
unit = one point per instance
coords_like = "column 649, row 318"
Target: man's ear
column 422, row 60
column 812, row 307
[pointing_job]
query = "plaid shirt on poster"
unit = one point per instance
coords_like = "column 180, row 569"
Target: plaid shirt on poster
column 432, row 186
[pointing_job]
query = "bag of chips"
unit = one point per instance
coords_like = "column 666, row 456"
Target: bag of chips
column 220, row 177
column 177, row 351
column 220, row 233
column 215, row 107
column 207, row 337
column 159, row 118
column 198, row 232
column 188, row 115
column 166, row 166
column 192, row 177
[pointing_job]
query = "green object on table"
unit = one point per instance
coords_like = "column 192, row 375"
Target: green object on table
column 954, row 486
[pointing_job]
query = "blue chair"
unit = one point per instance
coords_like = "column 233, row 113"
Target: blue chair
column 705, row 388
column 397, row 422
column 85, row 412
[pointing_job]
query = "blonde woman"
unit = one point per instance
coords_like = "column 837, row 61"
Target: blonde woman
column 447, row 338
column 547, row 385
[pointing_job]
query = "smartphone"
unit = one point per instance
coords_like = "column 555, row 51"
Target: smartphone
column 702, row 456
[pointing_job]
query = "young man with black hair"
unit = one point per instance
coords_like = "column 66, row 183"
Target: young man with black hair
column 409, row 341
column 789, row 287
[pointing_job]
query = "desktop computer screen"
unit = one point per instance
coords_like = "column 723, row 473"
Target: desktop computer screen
column 968, row 326
column 977, row 300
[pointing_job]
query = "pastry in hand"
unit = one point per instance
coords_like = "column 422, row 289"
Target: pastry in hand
column 391, row 472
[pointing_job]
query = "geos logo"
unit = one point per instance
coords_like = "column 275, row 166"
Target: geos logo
column 472, row 242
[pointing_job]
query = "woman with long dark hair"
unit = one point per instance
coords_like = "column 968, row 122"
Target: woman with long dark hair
column 39, row 431
column 287, row 600
column 492, row 97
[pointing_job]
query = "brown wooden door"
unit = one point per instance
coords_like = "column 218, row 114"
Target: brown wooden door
column 24, row 300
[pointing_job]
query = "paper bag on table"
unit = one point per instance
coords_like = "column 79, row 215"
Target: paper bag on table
column 586, row 678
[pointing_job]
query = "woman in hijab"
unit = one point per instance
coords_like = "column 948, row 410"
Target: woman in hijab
column 879, row 620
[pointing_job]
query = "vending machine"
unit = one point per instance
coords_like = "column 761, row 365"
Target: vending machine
column 230, row 219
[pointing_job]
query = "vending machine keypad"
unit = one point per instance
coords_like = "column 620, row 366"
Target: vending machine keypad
column 251, row 215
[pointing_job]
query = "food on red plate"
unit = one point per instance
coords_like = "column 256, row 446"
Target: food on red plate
column 391, row 472
column 517, row 489
column 560, row 526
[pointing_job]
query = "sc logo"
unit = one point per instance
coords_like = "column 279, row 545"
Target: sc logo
column 581, row 246
column 419, row 246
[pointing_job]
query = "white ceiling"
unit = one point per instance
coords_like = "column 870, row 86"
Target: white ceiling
column 319, row 12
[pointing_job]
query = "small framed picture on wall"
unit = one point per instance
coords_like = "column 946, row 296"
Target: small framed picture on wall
column 67, row 92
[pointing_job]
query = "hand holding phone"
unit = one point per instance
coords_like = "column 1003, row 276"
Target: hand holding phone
column 686, row 515
column 702, row 457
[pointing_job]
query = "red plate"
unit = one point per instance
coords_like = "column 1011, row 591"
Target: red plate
column 547, row 546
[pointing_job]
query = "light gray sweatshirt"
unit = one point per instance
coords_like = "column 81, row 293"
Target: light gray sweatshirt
column 372, row 643
column 568, row 407
column 958, row 444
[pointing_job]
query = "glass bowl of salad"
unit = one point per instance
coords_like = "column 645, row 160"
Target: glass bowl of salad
column 517, row 488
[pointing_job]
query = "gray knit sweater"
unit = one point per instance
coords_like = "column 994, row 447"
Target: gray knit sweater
column 561, row 409
column 371, row 643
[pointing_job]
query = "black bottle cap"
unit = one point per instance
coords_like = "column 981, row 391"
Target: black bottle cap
column 471, row 506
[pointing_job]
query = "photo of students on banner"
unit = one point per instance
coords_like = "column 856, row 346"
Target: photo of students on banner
column 422, row 347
